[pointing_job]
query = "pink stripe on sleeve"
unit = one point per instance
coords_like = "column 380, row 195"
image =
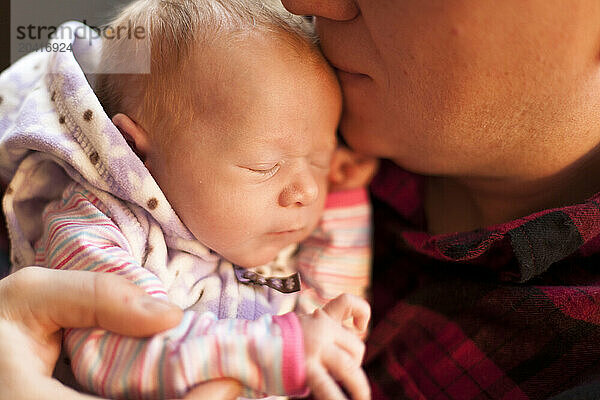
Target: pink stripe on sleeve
column 294, row 367
column 346, row 198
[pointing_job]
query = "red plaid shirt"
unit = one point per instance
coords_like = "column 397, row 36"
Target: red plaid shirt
column 507, row 312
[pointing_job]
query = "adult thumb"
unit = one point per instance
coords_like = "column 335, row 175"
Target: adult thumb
column 47, row 300
column 218, row 389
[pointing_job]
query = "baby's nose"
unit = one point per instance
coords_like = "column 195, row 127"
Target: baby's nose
column 302, row 192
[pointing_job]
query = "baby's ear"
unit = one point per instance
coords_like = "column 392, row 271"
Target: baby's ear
column 135, row 136
column 350, row 170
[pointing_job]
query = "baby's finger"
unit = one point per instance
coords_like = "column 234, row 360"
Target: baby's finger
column 349, row 374
column 350, row 343
column 322, row 386
column 345, row 306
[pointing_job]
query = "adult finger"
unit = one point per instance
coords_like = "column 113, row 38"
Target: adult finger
column 322, row 386
column 345, row 306
column 349, row 374
column 47, row 300
column 218, row 389
column 45, row 388
column 350, row 170
column 55, row 390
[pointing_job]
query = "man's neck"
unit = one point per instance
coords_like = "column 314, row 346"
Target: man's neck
column 464, row 204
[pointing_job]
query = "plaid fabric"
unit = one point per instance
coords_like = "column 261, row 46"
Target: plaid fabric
column 507, row 312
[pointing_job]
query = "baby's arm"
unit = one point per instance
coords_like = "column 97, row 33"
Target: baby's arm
column 336, row 258
column 266, row 355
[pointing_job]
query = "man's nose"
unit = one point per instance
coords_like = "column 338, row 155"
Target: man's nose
column 338, row 10
column 303, row 191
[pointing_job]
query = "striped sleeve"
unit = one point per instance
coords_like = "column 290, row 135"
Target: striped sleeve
column 78, row 235
column 336, row 258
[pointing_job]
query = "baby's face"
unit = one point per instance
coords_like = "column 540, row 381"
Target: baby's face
column 250, row 177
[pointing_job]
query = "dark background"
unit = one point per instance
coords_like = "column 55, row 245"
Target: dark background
column 4, row 34
column 96, row 12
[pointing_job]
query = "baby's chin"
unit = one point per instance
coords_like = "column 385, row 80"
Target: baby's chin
column 252, row 261
column 256, row 257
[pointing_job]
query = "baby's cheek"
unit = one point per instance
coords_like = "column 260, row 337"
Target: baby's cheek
column 314, row 221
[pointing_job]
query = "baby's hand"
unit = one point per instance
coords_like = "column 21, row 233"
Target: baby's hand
column 335, row 352
column 349, row 170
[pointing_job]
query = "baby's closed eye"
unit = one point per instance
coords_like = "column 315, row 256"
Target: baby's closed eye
column 321, row 161
column 264, row 170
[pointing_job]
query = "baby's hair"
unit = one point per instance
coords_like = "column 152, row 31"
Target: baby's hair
column 173, row 30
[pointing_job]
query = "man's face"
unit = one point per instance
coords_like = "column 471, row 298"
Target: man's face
column 463, row 87
column 251, row 177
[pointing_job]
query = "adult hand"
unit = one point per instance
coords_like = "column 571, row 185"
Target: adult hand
column 218, row 389
column 350, row 170
column 335, row 352
column 35, row 303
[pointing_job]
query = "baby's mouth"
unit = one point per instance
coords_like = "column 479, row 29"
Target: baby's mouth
column 286, row 232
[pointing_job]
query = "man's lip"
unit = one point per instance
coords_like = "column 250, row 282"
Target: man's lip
column 346, row 70
column 349, row 77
